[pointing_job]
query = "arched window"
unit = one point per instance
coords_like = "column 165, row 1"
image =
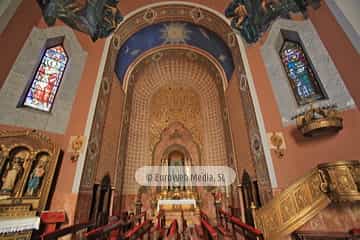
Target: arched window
column 302, row 77
column 45, row 84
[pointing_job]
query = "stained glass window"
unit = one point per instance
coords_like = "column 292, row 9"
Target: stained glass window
column 41, row 93
column 300, row 73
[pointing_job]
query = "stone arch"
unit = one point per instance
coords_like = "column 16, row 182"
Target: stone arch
column 178, row 68
column 182, row 11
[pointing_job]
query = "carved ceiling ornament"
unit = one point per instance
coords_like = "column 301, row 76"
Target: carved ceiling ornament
column 175, row 104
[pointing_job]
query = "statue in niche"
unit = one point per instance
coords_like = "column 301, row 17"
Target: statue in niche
column 253, row 17
column 14, row 172
column 36, row 176
column 176, row 169
column 97, row 18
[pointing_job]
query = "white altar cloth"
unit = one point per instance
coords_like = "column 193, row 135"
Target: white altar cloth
column 176, row 202
column 8, row 225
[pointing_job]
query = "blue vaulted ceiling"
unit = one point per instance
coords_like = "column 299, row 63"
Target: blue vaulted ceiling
column 164, row 33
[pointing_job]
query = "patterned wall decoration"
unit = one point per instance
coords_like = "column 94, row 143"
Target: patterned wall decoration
column 182, row 69
column 175, row 104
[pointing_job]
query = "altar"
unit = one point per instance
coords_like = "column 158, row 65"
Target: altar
column 182, row 208
column 176, row 204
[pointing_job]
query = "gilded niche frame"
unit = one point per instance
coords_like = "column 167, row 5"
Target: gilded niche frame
column 41, row 161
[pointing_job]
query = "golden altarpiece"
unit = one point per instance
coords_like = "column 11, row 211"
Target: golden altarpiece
column 28, row 162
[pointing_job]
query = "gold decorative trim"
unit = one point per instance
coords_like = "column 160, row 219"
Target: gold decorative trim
column 36, row 144
column 338, row 181
column 343, row 180
column 322, row 124
column 11, row 211
column 318, row 120
column 25, row 235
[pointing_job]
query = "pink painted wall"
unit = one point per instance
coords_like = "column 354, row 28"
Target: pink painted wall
column 302, row 153
column 28, row 16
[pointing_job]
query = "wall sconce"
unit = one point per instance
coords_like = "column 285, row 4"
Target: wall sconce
column 277, row 143
column 75, row 147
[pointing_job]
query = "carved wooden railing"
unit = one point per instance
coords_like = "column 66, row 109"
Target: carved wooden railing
column 158, row 232
column 139, row 231
column 115, row 230
column 308, row 196
column 66, row 231
column 173, row 232
column 237, row 228
column 209, row 232
column 104, row 231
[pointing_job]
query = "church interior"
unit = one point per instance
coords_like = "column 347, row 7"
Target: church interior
column 253, row 103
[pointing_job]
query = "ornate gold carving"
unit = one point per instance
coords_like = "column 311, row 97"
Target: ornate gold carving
column 25, row 235
column 318, row 120
column 277, row 142
column 27, row 165
column 196, row 14
column 76, row 146
column 307, row 197
column 22, row 210
column 343, row 179
column 150, row 15
column 175, row 104
column 28, row 161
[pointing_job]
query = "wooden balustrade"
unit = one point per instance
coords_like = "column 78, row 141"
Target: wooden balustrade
column 115, row 230
column 159, row 229
column 238, row 229
column 209, row 231
column 104, row 231
column 65, row 231
column 173, row 232
column 139, row 231
column 112, row 230
column 355, row 232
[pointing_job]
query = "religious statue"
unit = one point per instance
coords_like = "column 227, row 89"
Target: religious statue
column 36, row 176
column 253, row 17
column 15, row 171
column 97, row 18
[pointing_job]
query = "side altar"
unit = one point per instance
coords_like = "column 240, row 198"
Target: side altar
column 28, row 161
